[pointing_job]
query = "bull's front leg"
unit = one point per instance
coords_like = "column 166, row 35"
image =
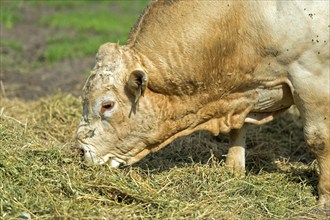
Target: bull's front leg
column 235, row 160
column 318, row 138
column 311, row 96
column 317, row 135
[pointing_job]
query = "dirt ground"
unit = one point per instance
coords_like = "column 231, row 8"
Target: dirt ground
column 21, row 78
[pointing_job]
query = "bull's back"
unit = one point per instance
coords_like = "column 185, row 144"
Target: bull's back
column 200, row 40
column 297, row 25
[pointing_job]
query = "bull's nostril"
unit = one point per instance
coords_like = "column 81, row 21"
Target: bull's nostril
column 78, row 150
column 82, row 152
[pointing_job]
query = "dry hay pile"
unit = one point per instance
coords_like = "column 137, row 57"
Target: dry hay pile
column 41, row 177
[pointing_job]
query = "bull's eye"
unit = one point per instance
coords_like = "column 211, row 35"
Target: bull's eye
column 106, row 106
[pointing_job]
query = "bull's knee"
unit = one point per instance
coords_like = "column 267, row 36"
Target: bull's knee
column 317, row 139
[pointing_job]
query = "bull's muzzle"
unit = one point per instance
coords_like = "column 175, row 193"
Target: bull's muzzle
column 89, row 156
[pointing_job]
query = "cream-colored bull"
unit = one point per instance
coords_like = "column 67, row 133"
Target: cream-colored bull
column 210, row 65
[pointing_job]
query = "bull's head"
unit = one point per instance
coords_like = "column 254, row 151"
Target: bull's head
column 120, row 125
column 117, row 124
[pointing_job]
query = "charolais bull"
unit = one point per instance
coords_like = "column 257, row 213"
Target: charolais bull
column 210, row 65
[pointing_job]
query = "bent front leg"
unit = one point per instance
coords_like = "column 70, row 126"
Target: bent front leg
column 311, row 96
column 317, row 138
column 235, row 160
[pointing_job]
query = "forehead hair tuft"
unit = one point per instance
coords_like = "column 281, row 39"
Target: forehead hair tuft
column 109, row 55
column 108, row 70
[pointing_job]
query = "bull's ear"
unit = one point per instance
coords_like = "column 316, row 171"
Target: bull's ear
column 137, row 84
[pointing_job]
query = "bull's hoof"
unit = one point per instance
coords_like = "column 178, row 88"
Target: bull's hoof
column 238, row 172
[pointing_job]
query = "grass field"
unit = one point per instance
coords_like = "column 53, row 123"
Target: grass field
column 40, row 177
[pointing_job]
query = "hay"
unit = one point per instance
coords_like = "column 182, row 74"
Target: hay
column 42, row 178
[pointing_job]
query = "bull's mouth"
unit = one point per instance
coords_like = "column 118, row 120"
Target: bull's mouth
column 90, row 156
column 87, row 152
column 114, row 162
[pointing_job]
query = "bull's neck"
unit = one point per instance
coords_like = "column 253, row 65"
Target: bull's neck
column 198, row 49
column 206, row 95
column 208, row 77
column 197, row 75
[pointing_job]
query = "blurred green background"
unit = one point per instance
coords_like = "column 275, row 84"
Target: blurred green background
column 78, row 27
column 49, row 46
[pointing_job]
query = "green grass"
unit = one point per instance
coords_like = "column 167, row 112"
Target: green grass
column 91, row 28
column 10, row 13
column 42, row 178
column 64, row 4
column 100, row 22
column 60, row 4
column 79, row 27
column 12, row 45
column 59, row 48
